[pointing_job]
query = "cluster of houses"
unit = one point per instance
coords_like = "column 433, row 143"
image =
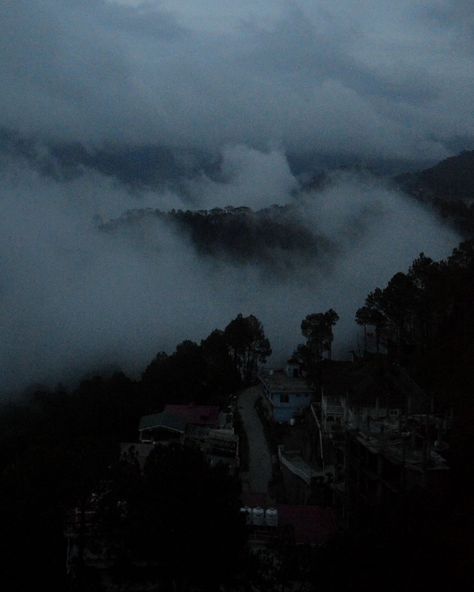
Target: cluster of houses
column 348, row 450
column 205, row 426
column 362, row 439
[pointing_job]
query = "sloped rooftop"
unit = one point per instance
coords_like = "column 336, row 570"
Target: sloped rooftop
column 177, row 417
column 279, row 381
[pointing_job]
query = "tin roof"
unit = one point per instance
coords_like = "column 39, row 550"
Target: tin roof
column 177, row 417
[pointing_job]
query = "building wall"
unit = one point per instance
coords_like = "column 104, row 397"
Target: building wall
column 288, row 405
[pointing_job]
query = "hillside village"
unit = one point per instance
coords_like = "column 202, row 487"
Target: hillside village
column 217, row 471
column 344, row 454
column 236, row 296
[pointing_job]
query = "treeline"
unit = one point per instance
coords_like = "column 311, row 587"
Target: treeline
column 247, row 237
column 424, row 319
column 272, row 236
column 56, row 445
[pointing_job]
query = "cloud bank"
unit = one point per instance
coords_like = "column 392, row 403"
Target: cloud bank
column 251, row 85
column 373, row 78
column 75, row 298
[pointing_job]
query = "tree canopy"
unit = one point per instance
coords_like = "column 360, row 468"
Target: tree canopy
column 180, row 514
column 318, row 330
column 247, row 345
column 427, row 314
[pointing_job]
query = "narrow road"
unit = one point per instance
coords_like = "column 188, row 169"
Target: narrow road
column 260, row 458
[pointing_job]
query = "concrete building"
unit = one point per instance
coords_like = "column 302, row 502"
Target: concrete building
column 377, row 434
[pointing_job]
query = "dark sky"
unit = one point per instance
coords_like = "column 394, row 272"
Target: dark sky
column 373, row 78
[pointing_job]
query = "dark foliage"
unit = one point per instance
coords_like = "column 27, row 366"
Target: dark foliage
column 205, row 373
column 247, row 345
column 211, row 371
column 272, row 237
column 180, row 376
column 318, row 330
column 55, row 447
column 425, row 319
column 245, row 236
column 181, row 515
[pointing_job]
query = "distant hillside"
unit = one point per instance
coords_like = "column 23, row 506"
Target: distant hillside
column 278, row 239
column 272, row 237
column 451, row 179
column 147, row 166
column 448, row 187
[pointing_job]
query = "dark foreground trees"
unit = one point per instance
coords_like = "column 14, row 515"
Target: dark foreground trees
column 247, row 345
column 425, row 320
column 318, row 330
column 208, row 372
column 55, row 446
column 181, row 517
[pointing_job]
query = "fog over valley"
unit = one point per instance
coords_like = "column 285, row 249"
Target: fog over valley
column 165, row 166
column 93, row 276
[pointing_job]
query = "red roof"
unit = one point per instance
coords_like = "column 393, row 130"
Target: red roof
column 311, row 524
column 205, row 415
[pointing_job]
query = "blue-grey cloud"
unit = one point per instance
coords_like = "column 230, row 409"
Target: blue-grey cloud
column 372, row 78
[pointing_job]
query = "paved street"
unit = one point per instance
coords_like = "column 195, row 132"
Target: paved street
column 260, row 461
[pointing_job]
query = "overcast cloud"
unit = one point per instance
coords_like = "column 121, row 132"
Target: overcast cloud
column 251, row 84
column 372, row 78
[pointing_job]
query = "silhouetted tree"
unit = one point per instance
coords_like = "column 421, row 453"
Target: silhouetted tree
column 248, row 345
column 222, row 378
column 318, row 330
column 178, row 378
column 367, row 316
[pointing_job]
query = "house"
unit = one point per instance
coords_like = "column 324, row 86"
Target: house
column 174, row 420
column 204, row 426
column 286, row 393
column 97, row 550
